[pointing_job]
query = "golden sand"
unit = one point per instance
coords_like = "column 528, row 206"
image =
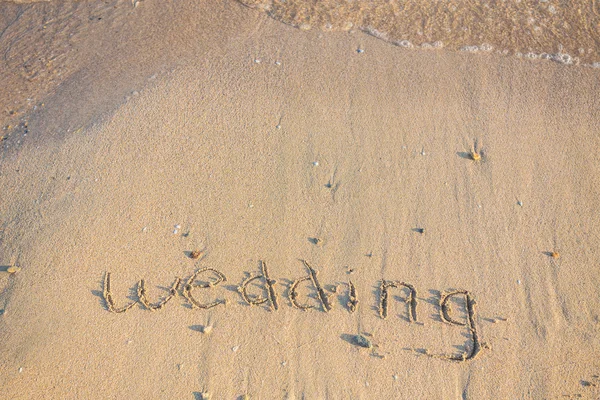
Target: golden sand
column 213, row 204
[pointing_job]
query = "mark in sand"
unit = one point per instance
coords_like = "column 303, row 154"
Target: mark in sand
column 153, row 307
column 189, row 286
column 470, row 323
column 270, row 289
column 411, row 300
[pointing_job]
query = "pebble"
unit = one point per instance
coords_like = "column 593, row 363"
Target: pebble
column 278, row 127
column 205, row 396
column 277, row 62
column 518, row 281
column 362, row 341
column 395, row 377
column 20, row 369
column 316, row 241
column 235, row 348
column 520, row 203
column 207, row 329
column 360, row 51
column 196, row 254
column 316, row 163
column 257, row 61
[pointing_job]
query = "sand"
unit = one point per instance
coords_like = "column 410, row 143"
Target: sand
column 215, row 128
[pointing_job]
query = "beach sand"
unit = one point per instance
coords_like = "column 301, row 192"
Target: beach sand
column 212, row 127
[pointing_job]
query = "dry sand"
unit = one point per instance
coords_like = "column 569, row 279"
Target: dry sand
column 213, row 127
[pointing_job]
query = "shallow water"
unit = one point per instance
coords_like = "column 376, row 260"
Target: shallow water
column 562, row 31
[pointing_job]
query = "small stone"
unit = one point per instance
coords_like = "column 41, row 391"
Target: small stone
column 235, row 348
column 316, row 241
column 13, row 269
column 207, row 329
column 278, row 127
column 362, row 341
column 20, row 369
column 257, row 61
column 475, row 156
column 396, row 377
column 555, row 255
column 360, row 51
column 315, row 163
column 196, row 254
column 520, row 203
column 277, row 62
column 205, row 396
column 518, row 281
